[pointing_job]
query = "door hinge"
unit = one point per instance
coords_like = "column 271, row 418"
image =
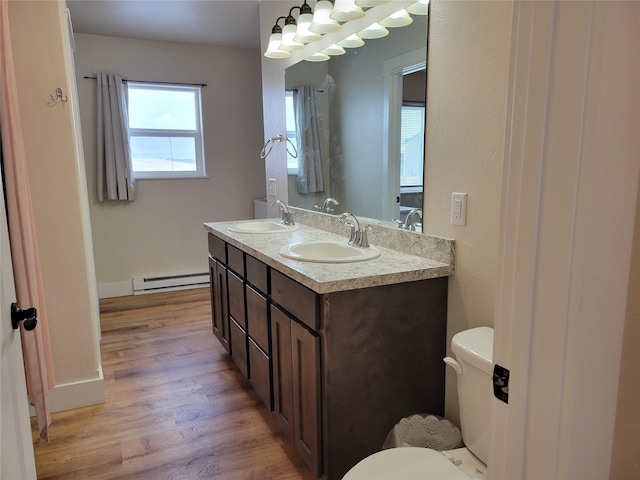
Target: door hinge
column 501, row 383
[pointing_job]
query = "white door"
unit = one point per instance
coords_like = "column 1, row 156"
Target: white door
column 568, row 208
column 17, row 461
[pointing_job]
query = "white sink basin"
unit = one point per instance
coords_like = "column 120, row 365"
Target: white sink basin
column 262, row 226
column 328, row 252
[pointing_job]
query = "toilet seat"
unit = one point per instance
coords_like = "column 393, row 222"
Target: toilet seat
column 406, row 463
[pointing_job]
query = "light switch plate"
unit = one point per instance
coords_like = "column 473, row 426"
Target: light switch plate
column 272, row 187
column 459, row 209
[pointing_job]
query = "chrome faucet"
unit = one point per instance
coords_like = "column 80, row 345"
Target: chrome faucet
column 327, row 205
column 287, row 217
column 358, row 234
column 410, row 222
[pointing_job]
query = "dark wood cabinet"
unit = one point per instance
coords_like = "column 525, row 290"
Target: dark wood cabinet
column 338, row 369
column 296, row 384
column 219, row 305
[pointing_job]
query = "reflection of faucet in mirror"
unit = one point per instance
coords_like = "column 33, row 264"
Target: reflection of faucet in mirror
column 287, row 218
column 410, row 223
column 327, row 205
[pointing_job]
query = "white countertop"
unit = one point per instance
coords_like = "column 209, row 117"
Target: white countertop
column 389, row 268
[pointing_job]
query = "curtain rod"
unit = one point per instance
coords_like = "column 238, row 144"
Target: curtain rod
column 157, row 83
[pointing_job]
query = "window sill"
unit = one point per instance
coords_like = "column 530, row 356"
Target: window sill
column 165, row 177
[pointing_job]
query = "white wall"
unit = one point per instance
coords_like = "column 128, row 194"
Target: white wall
column 467, row 79
column 57, row 182
column 161, row 231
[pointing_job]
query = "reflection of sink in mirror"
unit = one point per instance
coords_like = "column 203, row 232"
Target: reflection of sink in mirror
column 262, row 226
column 328, row 252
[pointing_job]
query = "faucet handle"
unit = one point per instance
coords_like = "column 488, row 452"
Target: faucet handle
column 364, row 240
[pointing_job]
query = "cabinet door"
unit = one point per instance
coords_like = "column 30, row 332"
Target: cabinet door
column 219, row 306
column 305, row 362
column 281, row 361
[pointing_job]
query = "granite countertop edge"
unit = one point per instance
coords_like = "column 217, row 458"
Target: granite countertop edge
column 391, row 267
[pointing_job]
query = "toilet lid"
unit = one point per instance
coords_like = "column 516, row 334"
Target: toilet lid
column 405, row 463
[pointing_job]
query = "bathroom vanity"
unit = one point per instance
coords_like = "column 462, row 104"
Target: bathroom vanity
column 338, row 351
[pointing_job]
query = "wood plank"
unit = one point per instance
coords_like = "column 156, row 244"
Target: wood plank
column 176, row 405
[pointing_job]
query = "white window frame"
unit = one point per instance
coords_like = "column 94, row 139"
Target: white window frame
column 200, row 171
column 291, row 135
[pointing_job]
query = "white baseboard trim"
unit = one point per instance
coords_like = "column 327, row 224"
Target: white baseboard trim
column 115, row 289
column 76, row 395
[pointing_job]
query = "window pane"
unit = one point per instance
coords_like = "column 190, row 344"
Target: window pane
column 161, row 109
column 412, row 146
column 163, row 154
column 292, row 163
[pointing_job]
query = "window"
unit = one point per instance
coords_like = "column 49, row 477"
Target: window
column 292, row 162
column 412, row 145
column 165, row 130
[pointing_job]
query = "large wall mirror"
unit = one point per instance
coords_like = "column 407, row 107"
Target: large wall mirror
column 367, row 109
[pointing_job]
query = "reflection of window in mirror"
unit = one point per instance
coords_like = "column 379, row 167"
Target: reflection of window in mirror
column 292, row 162
column 412, row 144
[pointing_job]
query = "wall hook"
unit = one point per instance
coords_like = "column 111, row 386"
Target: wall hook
column 58, row 97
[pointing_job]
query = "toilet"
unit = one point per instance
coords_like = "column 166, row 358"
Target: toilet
column 473, row 365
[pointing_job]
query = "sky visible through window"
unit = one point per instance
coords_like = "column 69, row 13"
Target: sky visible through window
column 156, row 117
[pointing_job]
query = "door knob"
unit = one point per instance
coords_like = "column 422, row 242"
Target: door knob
column 29, row 316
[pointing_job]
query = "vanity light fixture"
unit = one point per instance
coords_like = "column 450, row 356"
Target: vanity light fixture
column 289, row 32
column 401, row 18
column 352, row 41
column 322, row 21
column 345, row 10
column 303, row 34
column 373, row 31
column 318, row 57
column 421, row 7
column 333, row 50
column 275, row 40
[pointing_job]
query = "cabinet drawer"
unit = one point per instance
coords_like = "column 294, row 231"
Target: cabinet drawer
column 257, row 322
column 239, row 347
column 235, row 285
column 257, row 274
column 235, row 259
column 260, row 373
column 297, row 299
column 217, row 248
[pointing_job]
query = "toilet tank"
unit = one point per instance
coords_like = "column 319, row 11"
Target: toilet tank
column 474, row 351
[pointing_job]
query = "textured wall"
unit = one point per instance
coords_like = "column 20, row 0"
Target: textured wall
column 466, row 99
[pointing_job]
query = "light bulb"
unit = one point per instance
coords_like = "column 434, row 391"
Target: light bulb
column 273, row 50
column 352, row 41
column 345, row 10
column 303, row 34
column 421, row 7
column 401, row 18
column 322, row 22
column 288, row 41
column 373, row 31
column 333, row 50
column 317, row 57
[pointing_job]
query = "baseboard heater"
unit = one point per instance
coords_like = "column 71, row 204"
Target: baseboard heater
column 167, row 283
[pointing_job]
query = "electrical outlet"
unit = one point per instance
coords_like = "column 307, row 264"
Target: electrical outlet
column 272, row 187
column 459, row 209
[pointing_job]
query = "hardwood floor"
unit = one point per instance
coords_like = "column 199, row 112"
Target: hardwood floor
column 176, row 406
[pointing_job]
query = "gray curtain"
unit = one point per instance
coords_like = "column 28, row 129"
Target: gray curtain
column 114, row 175
column 310, row 176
